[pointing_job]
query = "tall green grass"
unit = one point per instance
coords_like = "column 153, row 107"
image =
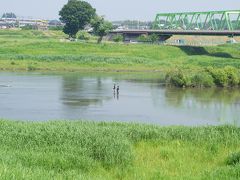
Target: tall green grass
column 88, row 150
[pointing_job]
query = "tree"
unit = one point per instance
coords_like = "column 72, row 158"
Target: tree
column 153, row 38
column 101, row 27
column 76, row 15
column 9, row 15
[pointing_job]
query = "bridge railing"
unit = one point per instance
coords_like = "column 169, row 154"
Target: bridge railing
column 212, row 20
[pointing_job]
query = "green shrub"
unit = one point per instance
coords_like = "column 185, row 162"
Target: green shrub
column 219, row 75
column 233, row 159
column 143, row 38
column 223, row 77
column 83, row 35
column 203, row 79
column 153, row 38
column 177, row 78
column 232, row 74
column 117, row 38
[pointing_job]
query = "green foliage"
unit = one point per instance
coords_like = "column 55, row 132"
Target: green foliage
column 83, row 35
column 143, row 38
column 56, row 28
column 233, row 159
column 9, row 15
column 76, row 15
column 100, row 27
column 177, row 78
column 202, row 79
column 219, row 75
column 28, row 27
column 153, row 38
column 31, row 67
column 233, row 76
column 224, row 77
column 117, row 38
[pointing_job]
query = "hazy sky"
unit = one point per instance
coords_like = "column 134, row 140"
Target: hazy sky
column 116, row 9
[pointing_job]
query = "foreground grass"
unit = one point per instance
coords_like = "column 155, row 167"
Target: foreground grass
column 88, row 150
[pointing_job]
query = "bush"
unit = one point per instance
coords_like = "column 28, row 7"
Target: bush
column 227, row 76
column 233, row 159
column 117, row 38
column 83, row 35
column 153, row 38
column 203, row 80
column 143, row 38
column 232, row 74
column 177, row 78
column 219, row 75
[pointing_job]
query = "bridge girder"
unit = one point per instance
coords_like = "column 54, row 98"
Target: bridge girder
column 211, row 20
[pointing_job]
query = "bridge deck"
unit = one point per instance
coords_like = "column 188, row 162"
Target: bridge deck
column 179, row 32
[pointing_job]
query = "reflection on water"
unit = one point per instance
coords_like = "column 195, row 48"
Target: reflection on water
column 36, row 96
column 221, row 104
column 204, row 97
column 74, row 91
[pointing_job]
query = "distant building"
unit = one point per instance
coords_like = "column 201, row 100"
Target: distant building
column 7, row 23
column 55, row 23
column 132, row 24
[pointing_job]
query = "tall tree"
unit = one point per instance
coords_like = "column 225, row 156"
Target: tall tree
column 76, row 15
column 9, row 15
column 101, row 27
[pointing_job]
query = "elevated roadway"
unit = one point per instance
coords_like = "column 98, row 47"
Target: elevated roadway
column 179, row 32
column 132, row 35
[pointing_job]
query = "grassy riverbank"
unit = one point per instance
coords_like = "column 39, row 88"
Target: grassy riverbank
column 49, row 51
column 75, row 150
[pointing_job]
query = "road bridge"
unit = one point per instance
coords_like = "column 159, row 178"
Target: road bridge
column 166, row 34
column 211, row 23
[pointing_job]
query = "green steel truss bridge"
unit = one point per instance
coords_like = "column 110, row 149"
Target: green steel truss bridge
column 212, row 23
column 211, row 20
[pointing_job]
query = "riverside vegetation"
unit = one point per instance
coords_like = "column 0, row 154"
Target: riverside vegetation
column 88, row 150
column 182, row 66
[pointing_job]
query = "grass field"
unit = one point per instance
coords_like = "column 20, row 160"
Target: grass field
column 87, row 150
column 49, row 51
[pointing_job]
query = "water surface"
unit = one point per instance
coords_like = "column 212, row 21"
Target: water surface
column 89, row 96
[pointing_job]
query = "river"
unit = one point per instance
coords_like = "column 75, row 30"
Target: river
column 89, row 96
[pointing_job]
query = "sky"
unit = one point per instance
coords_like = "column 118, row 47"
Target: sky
column 116, row 9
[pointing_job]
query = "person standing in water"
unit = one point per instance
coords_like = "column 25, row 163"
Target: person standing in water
column 118, row 90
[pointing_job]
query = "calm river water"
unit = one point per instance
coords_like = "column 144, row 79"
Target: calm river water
column 89, row 96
